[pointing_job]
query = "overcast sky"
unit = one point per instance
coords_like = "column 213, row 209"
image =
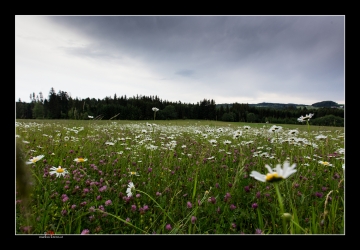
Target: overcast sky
column 244, row 59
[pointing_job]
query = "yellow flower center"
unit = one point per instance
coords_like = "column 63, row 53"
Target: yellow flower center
column 80, row 159
column 59, row 170
column 326, row 163
column 272, row 177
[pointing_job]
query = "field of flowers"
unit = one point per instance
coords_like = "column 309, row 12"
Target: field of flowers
column 178, row 177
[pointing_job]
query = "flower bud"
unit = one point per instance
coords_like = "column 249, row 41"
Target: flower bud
column 287, row 216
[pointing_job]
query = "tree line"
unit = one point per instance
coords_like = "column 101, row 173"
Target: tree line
column 62, row 106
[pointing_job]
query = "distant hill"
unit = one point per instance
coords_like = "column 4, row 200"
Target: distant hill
column 325, row 104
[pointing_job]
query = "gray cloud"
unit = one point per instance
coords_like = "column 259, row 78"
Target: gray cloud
column 300, row 56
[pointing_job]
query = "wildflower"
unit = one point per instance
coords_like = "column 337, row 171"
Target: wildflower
column 59, row 171
column 293, row 132
column 258, row 231
column 237, row 134
column 35, row 159
column 80, row 159
column 212, row 200
column 168, row 227
column 275, row 129
column 325, row 163
column 279, row 174
column 319, row 194
column 305, row 118
column 320, row 137
column 227, row 197
column 193, row 219
column 232, row 207
column 213, row 141
column 227, row 142
column 90, row 117
column 128, row 190
column 85, row 231
column 188, row 204
column 102, row 189
column 155, row 109
column 254, row 205
column 133, row 173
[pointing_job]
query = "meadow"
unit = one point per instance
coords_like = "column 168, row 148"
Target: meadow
column 178, row 177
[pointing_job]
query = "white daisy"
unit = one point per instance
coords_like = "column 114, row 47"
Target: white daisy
column 133, row 173
column 58, row 171
column 80, row 159
column 275, row 129
column 35, row 159
column 325, row 163
column 320, row 137
column 129, row 189
column 227, row 142
column 277, row 175
column 305, row 118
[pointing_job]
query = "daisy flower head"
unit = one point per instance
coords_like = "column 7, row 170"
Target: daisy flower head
column 133, row 173
column 325, row 163
column 305, row 118
column 237, row 134
column 155, row 109
column 293, row 132
column 90, row 117
column 213, row 141
column 227, row 142
column 35, row 159
column 131, row 186
column 275, row 129
column 277, row 175
column 320, row 137
column 59, row 171
column 80, row 159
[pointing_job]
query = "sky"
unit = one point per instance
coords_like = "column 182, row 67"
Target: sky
column 228, row 59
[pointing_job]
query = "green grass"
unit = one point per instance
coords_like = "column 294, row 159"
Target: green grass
column 185, row 184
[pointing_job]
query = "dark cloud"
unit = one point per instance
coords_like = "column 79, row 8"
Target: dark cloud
column 302, row 55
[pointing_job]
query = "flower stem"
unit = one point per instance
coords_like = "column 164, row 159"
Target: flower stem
column 157, row 205
column 281, row 207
